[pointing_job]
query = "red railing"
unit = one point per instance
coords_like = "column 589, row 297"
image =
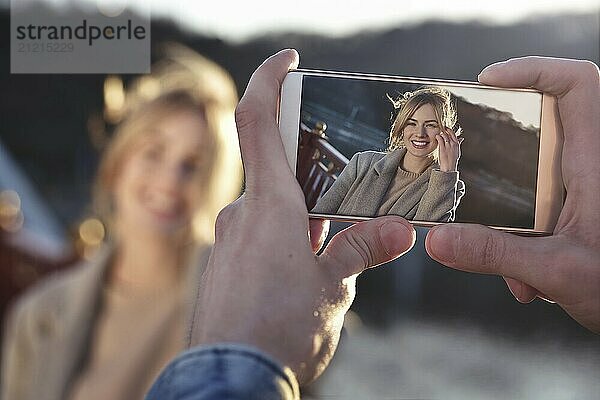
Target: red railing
column 319, row 163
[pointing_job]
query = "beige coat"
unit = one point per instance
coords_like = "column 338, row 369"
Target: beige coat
column 362, row 185
column 48, row 332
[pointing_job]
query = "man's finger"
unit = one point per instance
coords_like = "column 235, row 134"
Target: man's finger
column 476, row 248
column 318, row 229
column 554, row 76
column 522, row 291
column 256, row 119
column 368, row 244
column 576, row 83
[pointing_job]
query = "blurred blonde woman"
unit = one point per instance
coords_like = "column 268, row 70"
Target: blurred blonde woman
column 417, row 177
column 104, row 329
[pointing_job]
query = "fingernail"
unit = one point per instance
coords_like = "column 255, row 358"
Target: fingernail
column 490, row 68
column 443, row 241
column 396, row 237
column 295, row 58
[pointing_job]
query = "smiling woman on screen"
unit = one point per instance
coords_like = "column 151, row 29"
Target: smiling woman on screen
column 417, row 177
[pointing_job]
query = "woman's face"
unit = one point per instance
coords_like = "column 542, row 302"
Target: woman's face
column 420, row 131
column 155, row 189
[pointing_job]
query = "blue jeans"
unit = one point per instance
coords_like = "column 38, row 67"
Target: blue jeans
column 225, row 371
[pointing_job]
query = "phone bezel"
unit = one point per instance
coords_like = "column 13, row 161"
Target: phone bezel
column 550, row 190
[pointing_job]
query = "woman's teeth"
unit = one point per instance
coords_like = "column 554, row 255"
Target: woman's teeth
column 419, row 144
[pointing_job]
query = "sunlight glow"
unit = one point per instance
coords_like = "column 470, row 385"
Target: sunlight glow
column 239, row 21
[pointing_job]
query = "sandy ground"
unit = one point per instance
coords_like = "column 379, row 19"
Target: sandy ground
column 420, row 360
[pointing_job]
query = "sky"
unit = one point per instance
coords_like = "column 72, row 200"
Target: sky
column 240, row 20
column 524, row 106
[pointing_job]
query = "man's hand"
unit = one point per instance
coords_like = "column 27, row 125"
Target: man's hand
column 564, row 267
column 264, row 285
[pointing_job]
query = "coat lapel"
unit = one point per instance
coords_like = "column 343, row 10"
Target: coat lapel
column 64, row 333
column 382, row 173
column 69, row 326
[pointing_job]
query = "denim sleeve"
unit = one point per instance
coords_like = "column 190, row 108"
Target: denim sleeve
column 226, row 371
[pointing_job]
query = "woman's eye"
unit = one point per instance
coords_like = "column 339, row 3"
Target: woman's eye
column 431, row 126
column 189, row 167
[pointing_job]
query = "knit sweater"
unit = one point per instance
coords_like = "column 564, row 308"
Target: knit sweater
column 397, row 187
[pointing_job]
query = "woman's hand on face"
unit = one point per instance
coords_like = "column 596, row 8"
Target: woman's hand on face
column 449, row 148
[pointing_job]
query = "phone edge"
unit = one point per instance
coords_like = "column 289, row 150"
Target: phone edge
column 546, row 211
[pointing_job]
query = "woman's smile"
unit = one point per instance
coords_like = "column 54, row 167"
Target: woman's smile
column 419, row 144
column 161, row 205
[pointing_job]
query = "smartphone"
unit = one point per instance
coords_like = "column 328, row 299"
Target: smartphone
column 432, row 151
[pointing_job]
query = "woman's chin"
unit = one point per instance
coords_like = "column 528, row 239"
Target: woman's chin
column 421, row 153
column 159, row 224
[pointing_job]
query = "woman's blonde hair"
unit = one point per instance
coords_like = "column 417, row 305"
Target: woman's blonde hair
column 407, row 103
column 182, row 81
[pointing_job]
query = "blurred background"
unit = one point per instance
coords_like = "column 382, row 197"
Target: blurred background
column 416, row 329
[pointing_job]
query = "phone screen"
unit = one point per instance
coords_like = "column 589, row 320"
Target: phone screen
column 369, row 148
